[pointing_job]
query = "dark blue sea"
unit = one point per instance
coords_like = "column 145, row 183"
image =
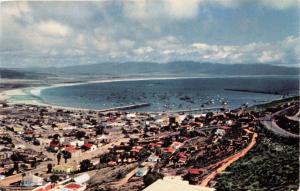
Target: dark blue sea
column 173, row 94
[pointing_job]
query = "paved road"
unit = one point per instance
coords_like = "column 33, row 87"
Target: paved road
column 296, row 117
column 269, row 123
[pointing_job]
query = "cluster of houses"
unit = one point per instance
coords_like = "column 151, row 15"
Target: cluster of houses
column 15, row 158
column 183, row 144
column 189, row 142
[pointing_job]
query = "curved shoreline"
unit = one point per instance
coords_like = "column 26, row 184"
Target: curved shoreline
column 34, row 98
column 35, row 91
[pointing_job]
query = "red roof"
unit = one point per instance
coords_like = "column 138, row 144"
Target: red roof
column 195, row 171
column 176, row 144
column 154, row 144
column 181, row 154
column 54, row 143
column 70, row 149
column 88, row 145
column 182, row 160
column 168, row 150
column 196, row 123
column 225, row 127
column 111, row 163
column 72, row 186
column 135, row 150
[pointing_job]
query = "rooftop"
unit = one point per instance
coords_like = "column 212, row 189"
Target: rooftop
column 175, row 184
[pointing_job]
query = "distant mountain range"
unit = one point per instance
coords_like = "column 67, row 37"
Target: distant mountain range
column 22, row 74
column 182, row 68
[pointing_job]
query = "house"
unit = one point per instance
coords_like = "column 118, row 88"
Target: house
column 175, row 184
column 74, row 187
column 65, row 168
column 47, row 187
column 194, row 171
column 112, row 163
column 136, row 149
column 20, row 146
column 103, row 139
column 76, row 143
column 155, row 145
column 54, row 144
column 168, row 150
column 176, row 145
column 141, row 171
column 82, row 178
column 220, row 132
column 89, row 147
column 153, row 158
column 44, row 141
column 18, row 130
column 32, row 180
column 72, row 150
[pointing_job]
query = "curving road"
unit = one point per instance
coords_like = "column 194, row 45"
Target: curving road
column 228, row 161
column 269, row 123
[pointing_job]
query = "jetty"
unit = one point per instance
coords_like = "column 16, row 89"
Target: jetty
column 196, row 109
column 126, row 107
column 253, row 91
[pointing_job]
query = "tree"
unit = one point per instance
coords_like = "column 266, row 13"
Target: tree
column 56, row 136
column 49, row 167
column 143, row 153
column 120, row 175
column 17, row 157
column 100, row 130
column 151, row 177
column 16, row 166
column 54, row 178
column 85, row 165
column 33, row 163
column 66, row 155
column 80, row 134
column 58, row 158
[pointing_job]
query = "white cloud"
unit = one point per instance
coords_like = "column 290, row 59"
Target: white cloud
column 143, row 50
column 182, row 8
column 14, row 9
column 282, row 52
column 142, row 10
column 269, row 56
column 52, row 28
column 149, row 10
column 28, row 35
column 280, row 4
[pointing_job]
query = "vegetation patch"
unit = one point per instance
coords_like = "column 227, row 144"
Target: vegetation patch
column 271, row 165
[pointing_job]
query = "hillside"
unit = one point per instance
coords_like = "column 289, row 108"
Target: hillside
column 173, row 68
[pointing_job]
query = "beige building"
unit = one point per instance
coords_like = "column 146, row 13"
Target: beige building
column 175, row 184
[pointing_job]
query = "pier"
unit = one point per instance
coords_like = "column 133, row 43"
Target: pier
column 195, row 109
column 126, row 107
column 253, row 91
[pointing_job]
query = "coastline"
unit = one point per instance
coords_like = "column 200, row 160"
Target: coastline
column 33, row 93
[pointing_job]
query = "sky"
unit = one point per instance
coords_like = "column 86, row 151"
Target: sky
column 63, row 33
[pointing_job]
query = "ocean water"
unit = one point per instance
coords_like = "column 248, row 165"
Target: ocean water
column 171, row 94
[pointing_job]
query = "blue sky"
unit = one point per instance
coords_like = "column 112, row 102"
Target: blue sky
column 59, row 33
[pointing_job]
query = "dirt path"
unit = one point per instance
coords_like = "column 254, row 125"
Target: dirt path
column 125, row 179
column 228, row 161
